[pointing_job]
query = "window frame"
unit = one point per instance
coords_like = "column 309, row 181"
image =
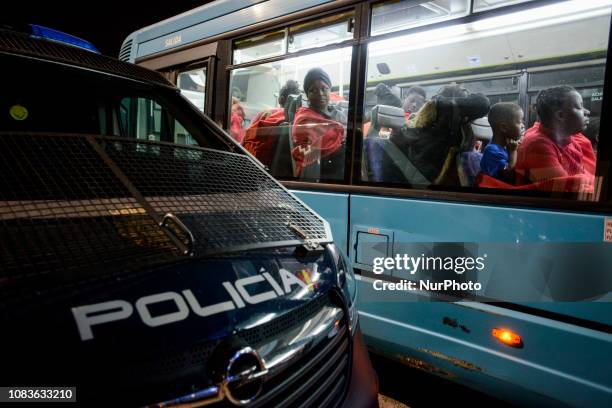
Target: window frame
column 204, row 65
column 353, row 43
column 172, row 73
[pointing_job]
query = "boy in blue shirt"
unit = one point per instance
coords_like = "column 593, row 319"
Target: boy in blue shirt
column 499, row 157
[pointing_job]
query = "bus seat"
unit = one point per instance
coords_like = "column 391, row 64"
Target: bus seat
column 481, row 129
column 291, row 106
column 387, row 116
column 282, row 165
column 379, row 165
column 385, row 162
column 468, row 160
column 468, row 167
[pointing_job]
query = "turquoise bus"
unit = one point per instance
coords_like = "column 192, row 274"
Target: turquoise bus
column 538, row 329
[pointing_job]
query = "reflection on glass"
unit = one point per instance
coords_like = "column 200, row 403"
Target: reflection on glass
column 260, row 47
column 502, row 89
column 400, row 15
column 193, row 86
column 480, row 5
column 573, row 76
column 307, row 36
column 588, row 81
column 494, row 42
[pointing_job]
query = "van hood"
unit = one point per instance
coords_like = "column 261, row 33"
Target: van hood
column 122, row 330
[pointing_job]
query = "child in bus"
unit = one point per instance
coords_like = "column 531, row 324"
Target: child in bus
column 499, row 157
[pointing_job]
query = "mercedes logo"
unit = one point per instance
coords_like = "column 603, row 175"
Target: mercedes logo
column 243, row 380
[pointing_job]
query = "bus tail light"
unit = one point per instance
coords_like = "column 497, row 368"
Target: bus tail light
column 508, row 337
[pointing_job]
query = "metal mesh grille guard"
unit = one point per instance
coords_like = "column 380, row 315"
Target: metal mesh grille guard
column 70, row 202
column 19, row 43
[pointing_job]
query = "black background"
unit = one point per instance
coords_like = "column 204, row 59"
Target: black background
column 104, row 23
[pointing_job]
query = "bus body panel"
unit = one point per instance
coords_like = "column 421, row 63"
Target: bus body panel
column 199, row 24
column 559, row 361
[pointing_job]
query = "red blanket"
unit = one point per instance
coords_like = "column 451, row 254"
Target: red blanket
column 314, row 137
column 236, row 130
column 580, row 183
column 541, row 159
column 261, row 136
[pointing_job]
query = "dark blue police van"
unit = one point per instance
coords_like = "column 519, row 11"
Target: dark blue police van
column 146, row 259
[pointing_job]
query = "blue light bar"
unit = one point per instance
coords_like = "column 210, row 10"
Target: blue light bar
column 51, row 34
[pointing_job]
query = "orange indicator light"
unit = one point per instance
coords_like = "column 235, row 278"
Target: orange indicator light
column 507, row 337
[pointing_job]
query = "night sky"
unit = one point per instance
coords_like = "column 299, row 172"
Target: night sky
column 104, row 23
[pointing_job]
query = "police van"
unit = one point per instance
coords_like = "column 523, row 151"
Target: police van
column 147, row 259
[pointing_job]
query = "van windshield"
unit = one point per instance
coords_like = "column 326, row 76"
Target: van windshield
column 54, row 98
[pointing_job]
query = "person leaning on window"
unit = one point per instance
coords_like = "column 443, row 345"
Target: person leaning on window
column 318, row 130
column 554, row 147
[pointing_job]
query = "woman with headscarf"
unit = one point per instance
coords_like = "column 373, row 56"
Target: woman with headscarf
column 318, row 132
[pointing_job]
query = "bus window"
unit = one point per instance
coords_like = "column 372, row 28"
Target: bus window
column 391, row 16
column 193, row 86
column 588, row 81
column 330, row 30
column 463, row 69
column 271, row 135
column 263, row 46
column 504, row 89
column 481, row 5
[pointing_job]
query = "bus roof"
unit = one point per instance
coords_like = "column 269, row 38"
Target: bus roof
column 209, row 20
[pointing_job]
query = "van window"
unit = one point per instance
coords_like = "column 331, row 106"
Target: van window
column 145, row 119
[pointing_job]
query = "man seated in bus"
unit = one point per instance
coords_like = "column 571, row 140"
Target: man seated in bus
column 262, row 134
column 554, row 147
column 318, row 130
column 499, row 157
column 414, row 100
